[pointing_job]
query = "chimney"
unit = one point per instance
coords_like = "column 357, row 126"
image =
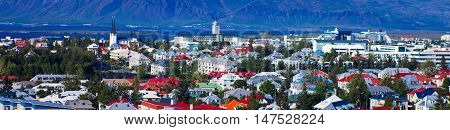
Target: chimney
column 191, row 107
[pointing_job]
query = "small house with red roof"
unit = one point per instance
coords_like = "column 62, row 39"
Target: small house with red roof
column 159, row 83
column 369, row 79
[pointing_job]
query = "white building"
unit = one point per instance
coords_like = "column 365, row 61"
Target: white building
column 138, row 60
column 215, row 28
column 445, row 38
column 121, row 54
column 207, row 65
column 159, row 67
column 113, row 35
column 226, row 81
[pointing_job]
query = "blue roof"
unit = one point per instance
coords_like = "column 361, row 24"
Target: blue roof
column 426, row 92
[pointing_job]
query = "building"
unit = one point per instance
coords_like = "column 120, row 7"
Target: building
column 215, row 28
column 80, row 104
column 114, row 83
column 50, row 78
column 113, row 35
column 20, row 104
column 159, row 67
column 138, row 60
column 207, row 65
column 226, row 81
column 445, row 38
column 121, row 54
column 318, row 45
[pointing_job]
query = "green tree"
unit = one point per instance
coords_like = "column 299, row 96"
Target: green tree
column 240, row 84
column 358, row 91
column 427, row 68
column 268, row 88
column 282, row 96
column 446, row 84
column 399, row 87
column 443, row 63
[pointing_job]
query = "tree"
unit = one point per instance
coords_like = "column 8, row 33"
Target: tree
column 282, row 96
column 427, row 68
column 268, row 88
column 440, row 104
column 443, row 63
column 358, row 91
column 240, row 84
column 388, row 102
column 446, row 84
column 253, row 103
column 304, row 101
column 399, row 87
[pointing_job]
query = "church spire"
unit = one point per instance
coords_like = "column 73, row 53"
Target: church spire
column 113, row 30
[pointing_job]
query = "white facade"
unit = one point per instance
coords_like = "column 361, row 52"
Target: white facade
column 121, row 54
column 226, row 81
column 138, row 60
column 215, row 28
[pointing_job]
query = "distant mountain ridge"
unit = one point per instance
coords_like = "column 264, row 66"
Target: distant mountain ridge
column 383, row 14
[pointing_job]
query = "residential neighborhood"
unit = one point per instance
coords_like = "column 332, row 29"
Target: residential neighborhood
column 334, row 70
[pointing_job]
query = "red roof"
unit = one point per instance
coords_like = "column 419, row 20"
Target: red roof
column 218, row 53
column 321, row 73
column 207, row 107
column 8, row 77
column 181, row 106
column 382, row 108
column 419, row 77
column 182, row 57
column 123, row 46
column 157, row 83
column 216, row 74
column 245, row 73
column 122, row 100
column 154, row 105
column 374, row 80
column 242, row 50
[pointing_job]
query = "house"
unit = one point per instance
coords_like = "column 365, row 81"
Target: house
column 121, row 104
column 210, row 86
column 49, row 86
column 121, row 54
column 226, row 81
column 260, row 78
column 80, row 105
column 211, row 98
column 207, row 65
column 114, row 83
column 370, row 79
column 159, row 67
column 20, row 104
column 50, row 78
column 301, row 79
column 379, row 100
column 138, row 60
column 379, row 90
column 237, row 93
column 93, row 48
column 391, row 71
column 334, row 103
column 272, row 106
column 159, row 83
column 420, row 93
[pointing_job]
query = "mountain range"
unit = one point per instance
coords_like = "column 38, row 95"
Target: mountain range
column 382, row 14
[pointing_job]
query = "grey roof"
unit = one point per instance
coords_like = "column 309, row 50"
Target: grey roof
column 238, row 93
column 375, row 90
column 80, row 104
column 211, row 98
column 220, row 61
column 35, row 103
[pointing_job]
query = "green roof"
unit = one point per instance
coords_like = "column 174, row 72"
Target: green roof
column 209, row 86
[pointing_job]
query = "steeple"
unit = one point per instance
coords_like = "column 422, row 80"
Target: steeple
column 113, row 30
